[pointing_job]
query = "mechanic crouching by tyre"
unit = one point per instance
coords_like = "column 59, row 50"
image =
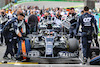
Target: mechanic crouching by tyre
column 3, row 20
column 9, row 31
column 87, row 21
column 73, row 21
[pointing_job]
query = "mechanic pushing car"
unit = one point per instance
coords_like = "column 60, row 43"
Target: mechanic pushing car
column 21, row 25
column 87, row 21
column 10, row 30
column 15, row 39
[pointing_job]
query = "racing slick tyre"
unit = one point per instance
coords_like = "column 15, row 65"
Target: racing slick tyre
column 73, row 44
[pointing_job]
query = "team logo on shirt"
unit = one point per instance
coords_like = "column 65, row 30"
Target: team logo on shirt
column 87, row 21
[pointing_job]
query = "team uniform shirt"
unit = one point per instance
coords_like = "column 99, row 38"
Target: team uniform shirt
column 21, row 25
column 87, row 21
column 72, row 17
column 11, row 28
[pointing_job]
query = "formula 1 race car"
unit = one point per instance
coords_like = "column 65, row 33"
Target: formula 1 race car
column 52, row 47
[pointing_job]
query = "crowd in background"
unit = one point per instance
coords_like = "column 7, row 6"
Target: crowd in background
column 53, row 12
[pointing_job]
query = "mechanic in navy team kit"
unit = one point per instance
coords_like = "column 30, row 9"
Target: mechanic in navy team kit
column 21, row 25
column 86, row 21
column 11, row 30
column 15, row 39
column 3, row 20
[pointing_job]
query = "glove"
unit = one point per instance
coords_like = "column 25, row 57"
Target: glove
column 22, row 38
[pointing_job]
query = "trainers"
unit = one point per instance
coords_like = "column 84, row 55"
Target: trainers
column 13, row 58
column 7, row 58
column 84, row 60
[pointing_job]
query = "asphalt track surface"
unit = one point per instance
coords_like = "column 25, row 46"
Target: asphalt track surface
column 20, row 64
